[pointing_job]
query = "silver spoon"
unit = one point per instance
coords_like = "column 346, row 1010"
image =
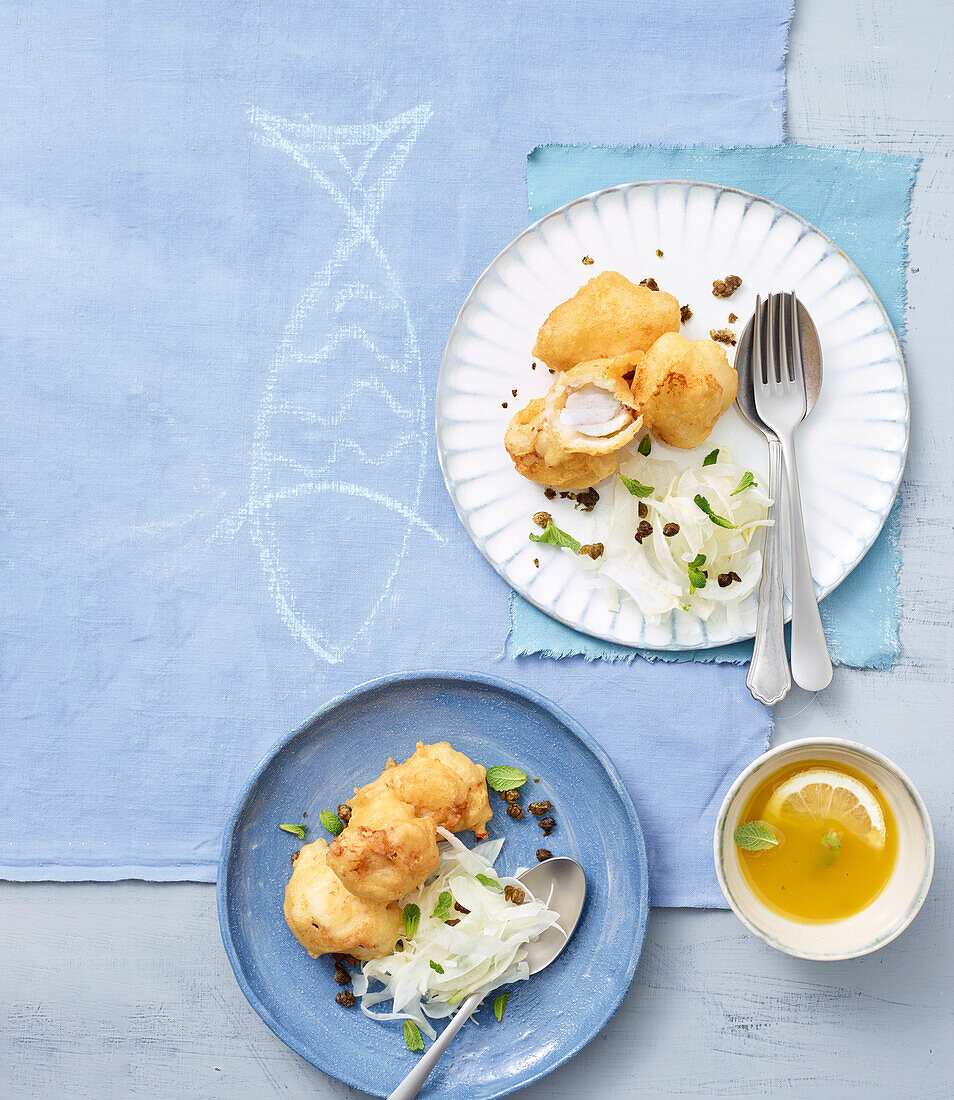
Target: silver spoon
column 564, row 877
column 769, row 678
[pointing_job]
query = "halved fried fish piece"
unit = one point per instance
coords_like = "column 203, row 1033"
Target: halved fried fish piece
column 590, row 407
column 569, row 438
column 529, row 437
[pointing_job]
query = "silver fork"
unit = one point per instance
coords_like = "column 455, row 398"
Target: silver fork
column 779, row 382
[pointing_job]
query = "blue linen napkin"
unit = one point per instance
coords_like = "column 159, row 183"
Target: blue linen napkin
column 862, row 201
column 235, row 239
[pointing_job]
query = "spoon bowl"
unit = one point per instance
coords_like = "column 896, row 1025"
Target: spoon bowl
column 561, row 883
column 811, row 354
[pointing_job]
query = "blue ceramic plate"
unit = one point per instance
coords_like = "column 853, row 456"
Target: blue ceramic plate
column 551, row 1016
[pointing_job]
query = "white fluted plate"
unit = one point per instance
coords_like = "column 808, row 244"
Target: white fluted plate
column 851, row 449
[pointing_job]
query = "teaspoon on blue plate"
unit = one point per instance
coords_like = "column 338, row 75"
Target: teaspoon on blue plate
column 560, row 882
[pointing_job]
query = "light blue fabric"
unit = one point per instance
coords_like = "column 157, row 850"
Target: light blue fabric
column 862, row 201
column 234, row 239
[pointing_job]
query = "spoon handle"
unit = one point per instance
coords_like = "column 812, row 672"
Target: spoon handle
column 768, row 678
column 411, row 1085
column 811, row 663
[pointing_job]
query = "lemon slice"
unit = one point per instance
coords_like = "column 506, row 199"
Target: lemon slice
column 826, row 795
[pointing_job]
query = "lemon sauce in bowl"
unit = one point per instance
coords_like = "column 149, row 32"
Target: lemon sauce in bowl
column 824, row 849
column 819, row 841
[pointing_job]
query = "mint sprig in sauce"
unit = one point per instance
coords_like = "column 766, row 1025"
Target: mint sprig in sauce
column 755, row 836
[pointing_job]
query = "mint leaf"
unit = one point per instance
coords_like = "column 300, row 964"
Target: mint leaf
column 636, row 488
column 502, row 777
column 755, row 836
column 436, row 966
column 701, row 502
column 697, row 579
column 488, row 881
column 500, row 1005
column 746, row 480
column 295, row 830
column 645, row 445
column 442, row 910
column 412, row 1036
column 832, row 841
column 331, row 821
column 411, row 918
column 711, row 458
column 555, row 537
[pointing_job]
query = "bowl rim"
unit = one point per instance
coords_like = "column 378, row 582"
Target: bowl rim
column 719, row 848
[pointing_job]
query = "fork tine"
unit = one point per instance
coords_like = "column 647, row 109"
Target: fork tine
column 791, row 342
column 781, row 341
column 798, row 367
column 758, row 360
column 771, row 342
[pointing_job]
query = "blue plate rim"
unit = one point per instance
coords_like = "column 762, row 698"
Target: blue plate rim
column 340, row 1073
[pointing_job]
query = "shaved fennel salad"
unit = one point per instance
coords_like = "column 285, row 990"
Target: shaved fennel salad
column 446, row 954
column 675, row 537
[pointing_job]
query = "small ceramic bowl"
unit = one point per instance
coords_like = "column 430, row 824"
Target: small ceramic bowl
column 890, row 912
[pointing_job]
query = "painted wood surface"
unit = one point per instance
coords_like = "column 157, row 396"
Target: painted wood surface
column 124, row 991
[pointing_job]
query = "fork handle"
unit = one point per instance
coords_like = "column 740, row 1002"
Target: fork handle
column 768, row 678
column 811, row 664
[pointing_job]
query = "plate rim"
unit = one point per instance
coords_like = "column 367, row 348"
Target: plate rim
column 638, row 851
column 591, row 197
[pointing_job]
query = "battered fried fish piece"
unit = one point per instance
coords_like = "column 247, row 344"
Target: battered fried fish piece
column 439, row 783
column 682, row 388
column 386, row 850
column 529, row 437
column 590, row 407
column 426, row 779
column 569, row 439
column 430, row 788
column 608, row 316
column 324, row 917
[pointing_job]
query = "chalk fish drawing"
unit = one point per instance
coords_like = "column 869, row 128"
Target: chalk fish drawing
column 344, row 405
